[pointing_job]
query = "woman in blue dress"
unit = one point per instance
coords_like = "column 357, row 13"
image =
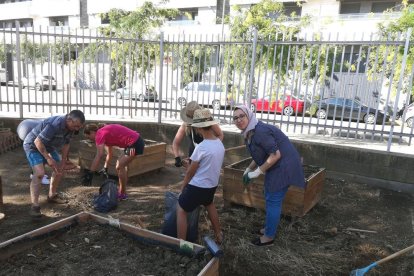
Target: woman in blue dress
column 274, row 156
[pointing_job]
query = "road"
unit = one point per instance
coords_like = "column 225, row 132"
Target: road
column 100, row 105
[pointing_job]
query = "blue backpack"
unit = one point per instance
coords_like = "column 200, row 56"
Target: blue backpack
column 107, row 199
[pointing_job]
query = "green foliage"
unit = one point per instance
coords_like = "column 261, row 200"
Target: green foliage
column 268, row 18
column 390, row 58
column 135, row 25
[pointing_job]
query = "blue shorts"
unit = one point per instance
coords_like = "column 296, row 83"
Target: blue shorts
column 35, row 158
column 194, row 196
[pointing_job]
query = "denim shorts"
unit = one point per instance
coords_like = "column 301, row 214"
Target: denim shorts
column 35, row 158
column 194, row 196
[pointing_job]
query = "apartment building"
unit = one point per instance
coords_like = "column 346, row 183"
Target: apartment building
column 201, row 16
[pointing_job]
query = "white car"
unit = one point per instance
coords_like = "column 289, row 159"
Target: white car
column 3, row 76
column 42, row 82
column 409, row 115
column 207, row 94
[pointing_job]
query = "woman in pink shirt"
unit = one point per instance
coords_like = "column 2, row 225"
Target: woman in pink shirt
column 107, row 136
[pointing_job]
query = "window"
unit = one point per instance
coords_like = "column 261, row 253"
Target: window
column 24, row 22
column 59, row 21
column 187, row 14
column 105, row 19
column 353, row 7
column 292, row 7
column 380, row 7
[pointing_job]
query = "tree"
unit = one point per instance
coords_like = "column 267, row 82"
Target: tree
column 269, row 19
column 131, row 27
column 391, row 58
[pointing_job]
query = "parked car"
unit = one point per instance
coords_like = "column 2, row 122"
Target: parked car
column 286, row 104
column 409, row 115
column 348, row 109
column 127, row 93
column 3, row 76
column 42, row 82
column 206, row 94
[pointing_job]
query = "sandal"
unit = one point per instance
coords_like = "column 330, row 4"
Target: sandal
column 258, row 242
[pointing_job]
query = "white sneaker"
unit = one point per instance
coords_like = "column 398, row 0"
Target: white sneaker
column 45, row 179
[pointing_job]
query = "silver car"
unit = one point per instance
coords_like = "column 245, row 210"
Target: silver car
column 127, row 93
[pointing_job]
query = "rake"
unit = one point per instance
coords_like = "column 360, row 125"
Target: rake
column 362, row 271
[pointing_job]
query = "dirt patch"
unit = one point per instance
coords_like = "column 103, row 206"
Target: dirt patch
column 320, row 243
column 79, row 247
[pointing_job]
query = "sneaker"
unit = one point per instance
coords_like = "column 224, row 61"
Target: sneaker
column 45, row 179
column 57, row 199
column 35, row 212
column 122, row 196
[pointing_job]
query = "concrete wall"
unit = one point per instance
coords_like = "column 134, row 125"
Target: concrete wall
column 388, row 170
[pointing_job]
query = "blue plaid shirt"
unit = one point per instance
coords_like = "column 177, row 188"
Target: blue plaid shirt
column 52, row 132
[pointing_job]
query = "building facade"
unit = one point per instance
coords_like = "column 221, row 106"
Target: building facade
column 202, row 16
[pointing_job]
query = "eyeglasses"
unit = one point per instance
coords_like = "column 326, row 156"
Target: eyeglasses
column 240, row 117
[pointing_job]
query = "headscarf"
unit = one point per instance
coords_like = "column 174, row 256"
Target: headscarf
column 250, row 116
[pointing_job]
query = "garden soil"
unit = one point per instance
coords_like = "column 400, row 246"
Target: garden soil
column 352, row 226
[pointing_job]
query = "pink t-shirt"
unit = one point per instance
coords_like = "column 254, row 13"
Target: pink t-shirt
column 116, row 135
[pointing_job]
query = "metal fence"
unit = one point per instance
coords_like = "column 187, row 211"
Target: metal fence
column 286, row 81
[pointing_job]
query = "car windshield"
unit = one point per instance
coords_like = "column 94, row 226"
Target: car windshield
column 49, row 77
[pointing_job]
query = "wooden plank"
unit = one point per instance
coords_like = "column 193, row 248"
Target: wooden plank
column 43, row 230
column 211, row 268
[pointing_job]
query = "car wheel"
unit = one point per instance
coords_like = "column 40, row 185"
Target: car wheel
column 118, row 95
column 369, row 118
column 216, row 105
column 409, row 122
column 252, row 107
column 141, row 97
column 38, row 87
column 182, row 101
column 321, row 114
column 288, row 110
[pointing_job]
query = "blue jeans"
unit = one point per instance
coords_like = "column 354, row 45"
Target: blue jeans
column 273, row 210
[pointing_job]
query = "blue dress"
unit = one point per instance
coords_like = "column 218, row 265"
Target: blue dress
column 288, row 170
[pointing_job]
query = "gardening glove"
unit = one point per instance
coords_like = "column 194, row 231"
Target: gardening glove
column 246, row 179
column 104, row 172
column 178, row 162
column 255, row 174
column 246, row 171
column 87, row 178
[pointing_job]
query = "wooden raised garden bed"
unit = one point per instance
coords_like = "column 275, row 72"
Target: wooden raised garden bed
column 297, row 202
column 152, row 159
column 88, row 244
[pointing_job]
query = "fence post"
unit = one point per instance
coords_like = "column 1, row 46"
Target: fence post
column 400, row 81
column 160, row 76
column 19, row 69
column 252, row 65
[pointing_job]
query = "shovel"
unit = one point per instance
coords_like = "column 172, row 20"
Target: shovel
column 362, row 271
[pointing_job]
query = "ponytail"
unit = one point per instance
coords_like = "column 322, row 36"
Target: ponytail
column 93, row 127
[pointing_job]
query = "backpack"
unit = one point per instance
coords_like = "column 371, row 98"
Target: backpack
column 169, row 227
column 107, row 199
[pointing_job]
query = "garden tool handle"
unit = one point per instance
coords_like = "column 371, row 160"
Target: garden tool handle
column 396, row 254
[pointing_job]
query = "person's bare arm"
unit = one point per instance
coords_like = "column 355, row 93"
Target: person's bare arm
column 190, row 173
column 99, row 153
column 65, row 154
column 270, row 161
column 179, row 137
column 42, row 149
column 108, row 156
column 218, row 132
